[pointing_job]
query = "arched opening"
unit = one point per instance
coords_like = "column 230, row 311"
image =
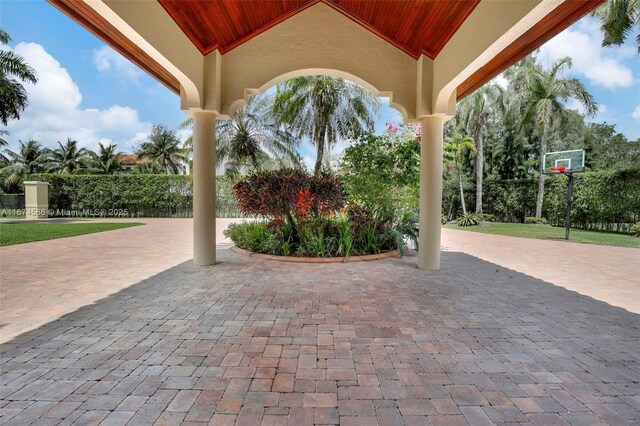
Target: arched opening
column 388, row 114
column 317, row 71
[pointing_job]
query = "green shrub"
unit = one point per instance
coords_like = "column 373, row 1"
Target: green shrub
column 252, row 236
column 534, row 220
column 485, row 217
column 635, row 229
column 406, row 228
column 468, row 219
column 319, row 237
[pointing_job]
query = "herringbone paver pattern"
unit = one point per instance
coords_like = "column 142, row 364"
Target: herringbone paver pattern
column 252, row 342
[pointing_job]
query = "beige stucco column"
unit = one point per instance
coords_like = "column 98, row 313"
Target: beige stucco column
column 430, row 191
column 204, row 188
column 36, row 200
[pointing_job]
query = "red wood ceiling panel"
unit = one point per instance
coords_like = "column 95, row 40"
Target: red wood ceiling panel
column 412, row 25
column 415, row 26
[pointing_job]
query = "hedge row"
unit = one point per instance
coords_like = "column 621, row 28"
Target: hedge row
column 602, row 200
column 607, row 201
column 137, row 195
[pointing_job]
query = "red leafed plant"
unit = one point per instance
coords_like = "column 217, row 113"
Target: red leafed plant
column 304, row 203
column 289, row 193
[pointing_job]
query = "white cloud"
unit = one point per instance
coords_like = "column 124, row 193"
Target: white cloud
column 54, row 112
column 501, row 81
column 602, row 66
column 576, row 105
column 108, row 60
column 636, row 113
column 309, row 162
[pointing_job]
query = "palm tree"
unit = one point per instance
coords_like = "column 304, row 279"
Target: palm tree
column 68, row 159
column 164, row 147
column 324, row 109
column 30, row 158
column 617, row 19
column 3, row 144
column 13, row 97
column 455, row 150
column 541, row 95
column 472, row 116
column 252, row 139
column 107, row 160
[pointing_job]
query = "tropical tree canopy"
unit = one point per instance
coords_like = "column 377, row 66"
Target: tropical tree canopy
column 473, row 113
column 540, row 95
column 164, row 147
column 253, row 136
column 30, row 158
column 68, row 158
column 13, row 70
column 107, row 160
column 619, row 19
column 454, row 151
column 324, row 109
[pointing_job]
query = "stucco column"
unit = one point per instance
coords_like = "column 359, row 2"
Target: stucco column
column 430, row 192
column 204, row 188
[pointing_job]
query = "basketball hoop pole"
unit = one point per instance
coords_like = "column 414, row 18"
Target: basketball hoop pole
column 567, row 222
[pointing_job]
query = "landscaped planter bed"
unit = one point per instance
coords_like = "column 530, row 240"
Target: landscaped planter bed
column 298, row 259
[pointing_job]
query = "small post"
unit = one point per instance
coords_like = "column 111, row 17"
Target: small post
column 36, row 200
column 569, row 201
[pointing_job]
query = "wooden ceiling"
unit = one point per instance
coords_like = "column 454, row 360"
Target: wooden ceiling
column 564, row 15
column 414, row 26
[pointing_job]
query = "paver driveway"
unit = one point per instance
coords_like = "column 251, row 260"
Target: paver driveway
column 257, row 342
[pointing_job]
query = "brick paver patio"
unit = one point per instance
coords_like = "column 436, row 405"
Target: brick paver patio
column 254, row 342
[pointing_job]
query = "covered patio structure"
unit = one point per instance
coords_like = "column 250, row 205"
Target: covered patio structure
column 423, row 55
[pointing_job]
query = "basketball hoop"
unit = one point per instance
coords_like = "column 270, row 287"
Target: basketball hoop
column 566, row 163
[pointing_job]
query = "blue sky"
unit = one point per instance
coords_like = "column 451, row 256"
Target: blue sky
column 90, row 93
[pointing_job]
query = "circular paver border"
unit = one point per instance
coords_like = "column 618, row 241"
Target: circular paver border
column 294, row 259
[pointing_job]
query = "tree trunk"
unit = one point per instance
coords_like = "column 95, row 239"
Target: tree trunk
column 540, row 197
column 464, row 207
column 320, row 142
column 479, row 170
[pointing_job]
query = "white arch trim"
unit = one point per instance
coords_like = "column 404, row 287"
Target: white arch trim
column 309, row 72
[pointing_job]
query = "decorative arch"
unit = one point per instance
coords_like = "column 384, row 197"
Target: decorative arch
column 310, row 72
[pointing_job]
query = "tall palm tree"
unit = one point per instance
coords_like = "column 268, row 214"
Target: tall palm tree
column 541, row 95
column 30, row 158
column 68, row 158
column 324, row 109
column 3, row 144
column 618, row 18
column 454, row 151
column 473, row 112
column 253, row 138
column 107, row 160
column 13, row 97
column 164, row 147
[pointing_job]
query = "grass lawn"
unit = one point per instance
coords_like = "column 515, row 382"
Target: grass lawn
column 546, row 232
column 25, row 232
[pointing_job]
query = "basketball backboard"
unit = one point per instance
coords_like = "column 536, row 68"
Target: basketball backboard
column 564, row 161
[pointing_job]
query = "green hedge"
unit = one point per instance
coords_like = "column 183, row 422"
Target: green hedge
column 604, row 201
column 608, row 201
column 138, row 195
column 508, row 200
